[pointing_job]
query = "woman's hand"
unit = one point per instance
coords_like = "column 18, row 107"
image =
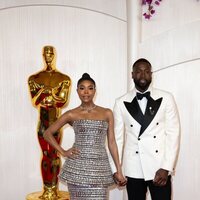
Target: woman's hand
column 71, row 153
column 119, row 179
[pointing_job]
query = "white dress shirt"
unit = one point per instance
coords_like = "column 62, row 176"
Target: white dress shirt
column 143, row 102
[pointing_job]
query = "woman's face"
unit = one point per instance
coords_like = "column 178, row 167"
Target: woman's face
column 86, row 91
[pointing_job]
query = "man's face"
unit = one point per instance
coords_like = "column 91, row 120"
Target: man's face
column 142, row 76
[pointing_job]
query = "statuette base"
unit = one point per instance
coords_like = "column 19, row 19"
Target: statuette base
column 38, row 196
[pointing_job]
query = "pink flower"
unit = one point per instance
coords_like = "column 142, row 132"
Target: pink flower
column 150, row 7
column 147, row 16
column 149, row 1
column 143, row 2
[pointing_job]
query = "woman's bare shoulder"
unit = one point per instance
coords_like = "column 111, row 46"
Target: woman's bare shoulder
column 72, row 113
column 104, row 109
column 107, row 112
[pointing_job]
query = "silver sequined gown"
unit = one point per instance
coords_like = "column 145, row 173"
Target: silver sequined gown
column 89, row 175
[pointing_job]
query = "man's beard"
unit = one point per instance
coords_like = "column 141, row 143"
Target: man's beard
column 142, row 85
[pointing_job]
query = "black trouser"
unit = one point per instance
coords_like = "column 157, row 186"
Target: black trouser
column 137, row 189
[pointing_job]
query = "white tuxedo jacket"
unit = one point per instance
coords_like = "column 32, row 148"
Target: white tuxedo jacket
column 150, row 141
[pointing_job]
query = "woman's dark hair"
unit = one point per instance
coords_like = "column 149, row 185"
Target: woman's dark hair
column 86, row 77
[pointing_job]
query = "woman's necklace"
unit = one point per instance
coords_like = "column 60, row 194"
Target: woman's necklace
column 88, row 109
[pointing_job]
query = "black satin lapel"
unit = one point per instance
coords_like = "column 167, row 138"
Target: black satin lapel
column 134, row 110
column 150, row 113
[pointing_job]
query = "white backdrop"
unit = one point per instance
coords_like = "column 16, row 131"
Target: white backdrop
column 170, row 40
column 183, row 81
column 87, row 38
column 90, row 36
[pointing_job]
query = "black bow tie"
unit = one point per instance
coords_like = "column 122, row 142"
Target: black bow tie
column 141, row 95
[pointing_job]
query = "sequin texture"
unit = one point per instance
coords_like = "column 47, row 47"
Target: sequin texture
column 91, row 168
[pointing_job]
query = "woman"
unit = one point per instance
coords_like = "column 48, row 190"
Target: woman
column 86, row 170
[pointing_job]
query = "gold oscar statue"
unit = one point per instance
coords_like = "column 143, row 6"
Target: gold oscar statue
column 49, row 91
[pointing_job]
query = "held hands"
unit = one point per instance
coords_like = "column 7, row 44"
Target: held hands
column 161, row 177
column 71, row 153
column 119, row 179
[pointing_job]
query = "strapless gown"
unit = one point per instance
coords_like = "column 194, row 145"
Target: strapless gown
column 89, row 175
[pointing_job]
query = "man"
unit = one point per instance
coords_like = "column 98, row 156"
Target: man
column 49, row 91
column 147, row 134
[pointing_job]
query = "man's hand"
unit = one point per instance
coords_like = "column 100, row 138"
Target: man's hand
column 119, row 179
column 161, row 177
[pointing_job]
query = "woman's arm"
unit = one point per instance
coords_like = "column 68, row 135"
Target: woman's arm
column 113, row 149
column 48, row 135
